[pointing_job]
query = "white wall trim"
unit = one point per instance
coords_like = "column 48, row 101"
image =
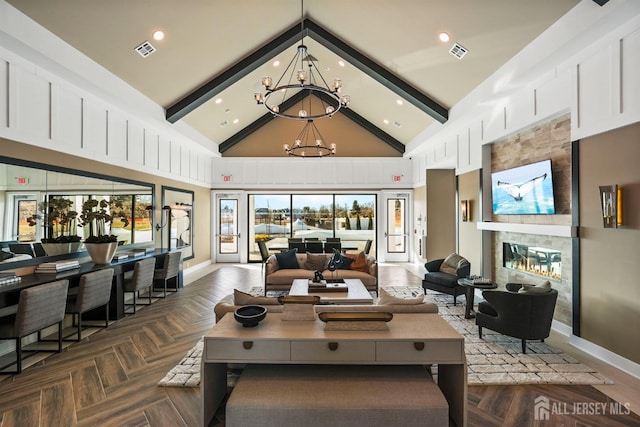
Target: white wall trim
column 596, row 351
column 549, row 230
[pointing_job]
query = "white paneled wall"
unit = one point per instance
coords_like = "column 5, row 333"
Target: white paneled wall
column 607, row 82
column 599, row 85
column 42, row 109
column 312, row 173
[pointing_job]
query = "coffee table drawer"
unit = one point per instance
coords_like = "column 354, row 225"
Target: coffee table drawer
column 267, row 350
column 333, row 351
column 419, row 351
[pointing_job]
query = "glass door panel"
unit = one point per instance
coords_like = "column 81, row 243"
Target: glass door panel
column 228, row 237
column 396, row 233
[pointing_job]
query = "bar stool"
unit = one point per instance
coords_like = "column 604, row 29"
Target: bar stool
column 39, row 307
column 169, row 271
column 142, row 278
column 94, row 291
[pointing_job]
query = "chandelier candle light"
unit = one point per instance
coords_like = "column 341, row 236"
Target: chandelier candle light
column 309, row 81
column 310, row 143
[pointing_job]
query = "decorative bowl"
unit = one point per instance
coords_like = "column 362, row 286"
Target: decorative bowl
column 250, row 315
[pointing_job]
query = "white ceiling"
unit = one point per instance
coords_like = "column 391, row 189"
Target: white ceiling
column 206, row 37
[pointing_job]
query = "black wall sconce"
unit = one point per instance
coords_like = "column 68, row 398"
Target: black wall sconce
column 465, row 210
column 164, row 218
column 611, row 204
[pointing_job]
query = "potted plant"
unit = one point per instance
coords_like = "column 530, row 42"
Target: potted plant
column 95, row 218
column 59, row 222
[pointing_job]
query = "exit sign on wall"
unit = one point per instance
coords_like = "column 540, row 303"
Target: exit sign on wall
column 226, row 178
column 22, row 180
column 397, row 178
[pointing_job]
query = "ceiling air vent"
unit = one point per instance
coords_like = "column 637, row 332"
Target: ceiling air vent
column 145, row 49
column 458, row 51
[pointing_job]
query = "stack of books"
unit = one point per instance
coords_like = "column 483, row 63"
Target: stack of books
column 7, row 278
column 119, row 256
column 57, row 266
column 129, row 254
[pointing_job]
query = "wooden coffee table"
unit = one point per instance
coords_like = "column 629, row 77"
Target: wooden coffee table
column 356, row 292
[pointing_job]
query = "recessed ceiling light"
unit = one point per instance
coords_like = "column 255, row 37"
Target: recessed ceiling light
column 341, row 63
column 386, row 122
column 158, row 35
column 276, row 63
column 218, row 101
column 235, row 121
column 444, row 37
column 399, row 101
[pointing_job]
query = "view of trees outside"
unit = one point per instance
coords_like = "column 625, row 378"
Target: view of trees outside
column 276, row 217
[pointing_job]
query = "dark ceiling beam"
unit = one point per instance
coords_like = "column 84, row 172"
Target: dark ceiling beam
column 232, row 75
column 237, row 71
column 298, row 97
column 377, row 72
column 257, row 124
column 367, row 125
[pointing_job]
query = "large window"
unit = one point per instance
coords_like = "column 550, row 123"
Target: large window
column 274, row 218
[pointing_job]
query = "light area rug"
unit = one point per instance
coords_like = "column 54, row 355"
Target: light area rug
column 494, row 359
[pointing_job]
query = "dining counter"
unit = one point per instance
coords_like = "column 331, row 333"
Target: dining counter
column 10, row 293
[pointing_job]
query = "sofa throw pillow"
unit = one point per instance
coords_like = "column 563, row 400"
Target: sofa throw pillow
column 542, row 288
column 339, row 261
column 243, row 298
column 387, row 299
column 359, row 262
column 287, row 259
column 316, row 262
column 452, row 263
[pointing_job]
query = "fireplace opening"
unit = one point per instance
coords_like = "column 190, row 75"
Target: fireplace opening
column 533, row 259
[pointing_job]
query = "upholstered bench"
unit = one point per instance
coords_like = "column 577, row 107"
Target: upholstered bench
column 336, row 395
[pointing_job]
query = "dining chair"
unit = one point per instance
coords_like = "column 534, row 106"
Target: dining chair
column 367, row 246
column 38, row 307
column 300, row 246
column 264, row 252
column 169, row 271
column 141, row 278
column 314, row 246
column 94, row 291
column 330, row 247
column 38, row 250
column 21, row 248
column 333, row 239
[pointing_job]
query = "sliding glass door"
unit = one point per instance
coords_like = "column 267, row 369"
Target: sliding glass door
column 274, row 218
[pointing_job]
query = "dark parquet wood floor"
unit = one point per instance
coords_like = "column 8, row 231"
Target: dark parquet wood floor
column 109, row 379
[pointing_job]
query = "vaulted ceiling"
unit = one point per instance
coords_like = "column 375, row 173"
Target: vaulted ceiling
column 400, row 77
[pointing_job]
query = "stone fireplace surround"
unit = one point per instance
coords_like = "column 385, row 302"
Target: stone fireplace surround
column 548, row 140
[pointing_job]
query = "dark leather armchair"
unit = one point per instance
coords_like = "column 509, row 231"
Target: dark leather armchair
column 526, row 316
column 446, row 282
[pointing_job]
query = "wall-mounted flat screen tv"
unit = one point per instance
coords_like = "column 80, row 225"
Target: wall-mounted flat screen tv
column 523, row 190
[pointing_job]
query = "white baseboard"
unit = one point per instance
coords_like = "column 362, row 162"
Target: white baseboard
column 194, row 269
column 601, row 353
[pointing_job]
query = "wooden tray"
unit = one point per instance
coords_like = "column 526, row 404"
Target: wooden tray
column 355, row 316
column 299, row 299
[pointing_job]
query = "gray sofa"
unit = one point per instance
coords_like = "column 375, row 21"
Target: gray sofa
column 277, row 278
column 227, row 305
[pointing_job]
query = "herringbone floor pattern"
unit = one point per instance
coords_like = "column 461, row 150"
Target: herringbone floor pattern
column 109, row 379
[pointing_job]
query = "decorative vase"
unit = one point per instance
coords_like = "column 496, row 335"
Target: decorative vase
column 101, row 253
column 60, row 248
